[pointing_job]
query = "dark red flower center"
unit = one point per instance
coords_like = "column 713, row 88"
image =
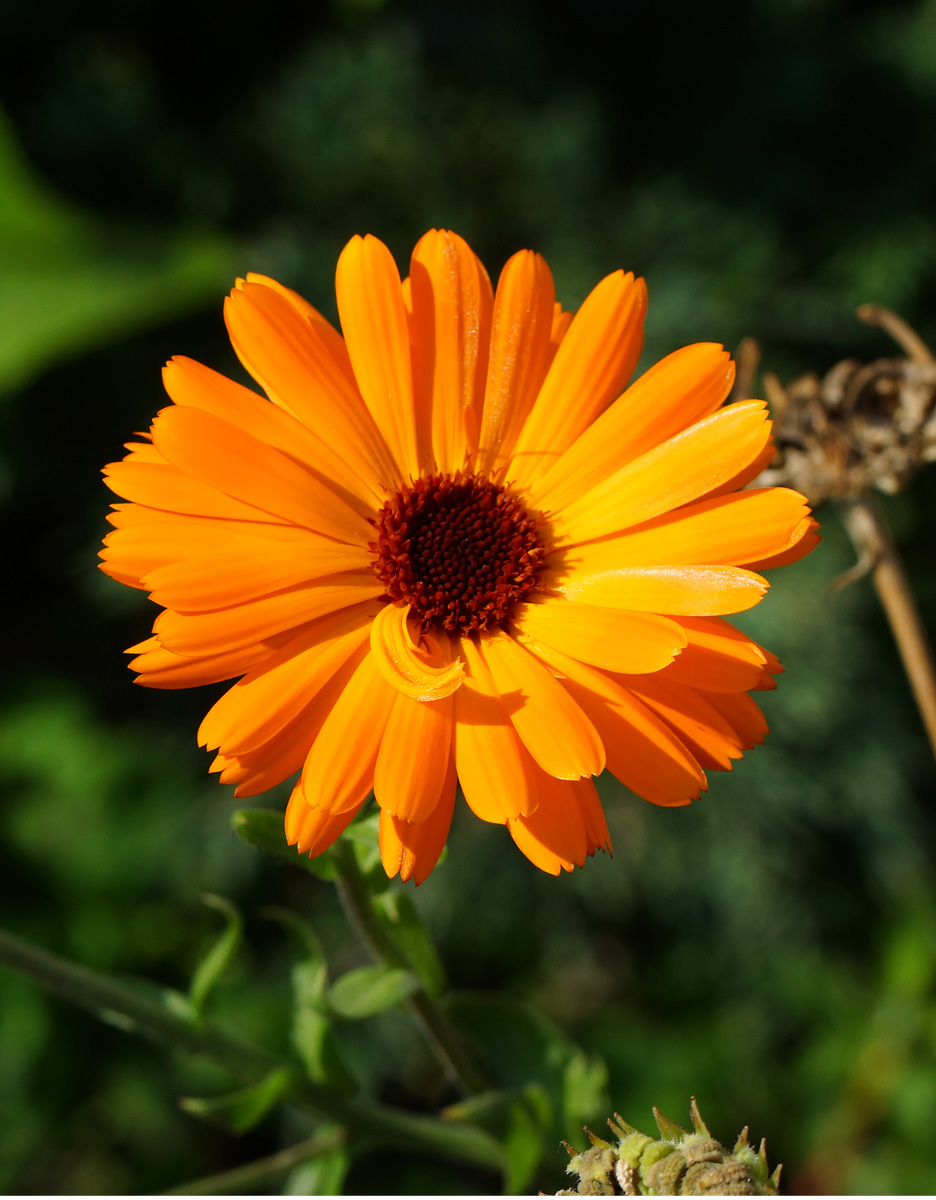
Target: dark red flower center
column 460, row 550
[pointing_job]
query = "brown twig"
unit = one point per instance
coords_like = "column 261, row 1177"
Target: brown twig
column 868, row 530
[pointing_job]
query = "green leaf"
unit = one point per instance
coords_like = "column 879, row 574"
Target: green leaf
column 262, row 828
column 70, row 283
column 519, row 1048
column 304, row 937
column 363, row 835
column 402, row 921
column 585, row 1089
column 367, row 991
column 523, row 1142
column 517, row 1119
column 245, row 1108
column 323, row 1175
column 219, row 956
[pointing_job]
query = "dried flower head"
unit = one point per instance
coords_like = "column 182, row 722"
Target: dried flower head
column 863, row 425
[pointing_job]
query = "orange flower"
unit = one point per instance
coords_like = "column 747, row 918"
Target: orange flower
column 450, row 547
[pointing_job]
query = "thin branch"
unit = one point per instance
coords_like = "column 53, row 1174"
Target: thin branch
column 868, row 530
column 906, row 338
column 123, row 1005
column 444, row 1039
column 245, row 1179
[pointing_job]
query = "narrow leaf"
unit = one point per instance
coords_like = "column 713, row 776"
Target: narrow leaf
column 212, row 966
column 323, row 1175
column 367, row 991
column 245, row 1108
column 404, row 924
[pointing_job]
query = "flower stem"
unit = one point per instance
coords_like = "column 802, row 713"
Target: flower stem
column 868, row 529
column 245, row 1179
column 122, row 1005
column 444, row 1039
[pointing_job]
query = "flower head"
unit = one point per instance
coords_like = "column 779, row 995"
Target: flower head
column 452, row 547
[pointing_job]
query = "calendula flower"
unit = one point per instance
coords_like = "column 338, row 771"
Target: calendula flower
column 450, row 548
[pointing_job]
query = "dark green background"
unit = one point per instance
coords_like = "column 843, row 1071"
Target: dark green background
column 767, row 165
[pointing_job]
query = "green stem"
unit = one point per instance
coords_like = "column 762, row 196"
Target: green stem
column 246, row 1178
column 129, row 1009
column 444, row 1039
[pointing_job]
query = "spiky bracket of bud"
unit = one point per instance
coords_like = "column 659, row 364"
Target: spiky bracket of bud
column 678, row 1163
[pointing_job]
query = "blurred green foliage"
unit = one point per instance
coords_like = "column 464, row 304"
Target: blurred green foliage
column 768, row 165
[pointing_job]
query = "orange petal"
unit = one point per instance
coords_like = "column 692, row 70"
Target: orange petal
column 413, row 671
column 451, row 309
column 325, row 331
column 339, row 771
column 257, row 770
column 808, row 540
column 695, row 591
column 226, row 629
column 699, row 725
column 679, row 390
column 302, row 368
column 277, row 689
column 718, row 657
column 171, row 490
column 731, row 530
column 159, row 668
column 642, row 751
column 596, row 358
column 553, row 837
column 376, row 330
column 521, row 352
column 312, row 830
column 413, row 850
column 219, row 454
column 561, row 739
column 596, row 827
column 249, row 570
column 605, row 637
column 494, row 769
column 742, row 714
column 192, row 385
column 413, row 758
column 675, row 473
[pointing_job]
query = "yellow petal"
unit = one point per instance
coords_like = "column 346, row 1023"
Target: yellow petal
column 561, row 739
column 695, row 591
column 451, row 322
column 679, row 390
column 604, row 637
column 675, row 473
column 417, row 673
column 730, row 530
column 595, row 359
column 376, row 331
